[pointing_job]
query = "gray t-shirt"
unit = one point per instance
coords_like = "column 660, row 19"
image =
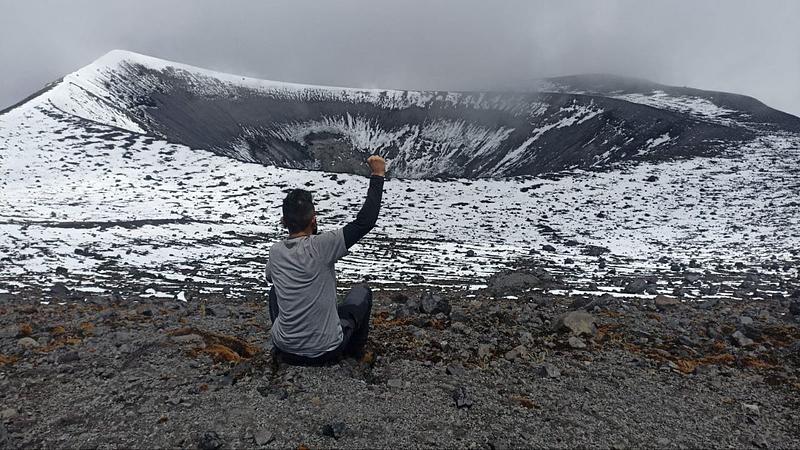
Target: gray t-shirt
column 302, row 272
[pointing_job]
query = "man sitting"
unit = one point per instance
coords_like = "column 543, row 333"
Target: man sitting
column 307, row 326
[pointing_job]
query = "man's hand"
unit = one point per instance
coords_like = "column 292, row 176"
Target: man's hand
column 377, row 164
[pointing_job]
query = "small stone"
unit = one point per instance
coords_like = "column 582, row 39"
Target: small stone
column 664, row 302
column 210, row 440
column 434, row 303
column 456, row 370
column 27, row 342
column 334, row 430
column 3, row 436
column 9, row 413
column 548, row 248
column 549, row 371
column 461, row 398
column 663, row 442
column 395, row 383
column 485, row 350
column 741, row 340
column 516, row 353
column 263, row 437
column 594, row 250
column 576, row 322
column 576, row 343
column 751, row 409
column 218, row 311
column 69, row 357
column 745, row 320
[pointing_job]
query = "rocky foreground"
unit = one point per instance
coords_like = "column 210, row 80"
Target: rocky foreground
column 509, row 366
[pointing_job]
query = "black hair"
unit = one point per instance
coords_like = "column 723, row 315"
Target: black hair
column 298, row 210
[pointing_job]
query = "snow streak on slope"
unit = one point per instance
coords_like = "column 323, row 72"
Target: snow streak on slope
column 121, row 209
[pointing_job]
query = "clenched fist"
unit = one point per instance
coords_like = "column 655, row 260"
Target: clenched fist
column 377, row 164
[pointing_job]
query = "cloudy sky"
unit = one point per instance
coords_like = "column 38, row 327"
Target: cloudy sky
column 749, row 47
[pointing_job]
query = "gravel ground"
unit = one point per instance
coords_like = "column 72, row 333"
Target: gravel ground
column 444, row 370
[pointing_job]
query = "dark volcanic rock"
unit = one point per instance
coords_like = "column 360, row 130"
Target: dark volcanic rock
column 434, row 303
column 210, row 440
column 636, row 286
column 576, row 322
column 334, row 430
column 59, row 290
column 594, row 250
column 462, row 399
column 663, row 302
column 794, row 307
column 4, row 439
column 549, row 371
column 509, row 282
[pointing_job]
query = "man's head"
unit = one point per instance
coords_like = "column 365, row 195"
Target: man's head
column 298, row 212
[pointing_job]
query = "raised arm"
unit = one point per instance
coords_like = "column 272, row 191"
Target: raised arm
column 366, row 218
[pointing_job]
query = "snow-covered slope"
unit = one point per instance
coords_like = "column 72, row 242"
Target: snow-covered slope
column 422, row 134
column 712, row 106
column 120, row 176
column 116, row 209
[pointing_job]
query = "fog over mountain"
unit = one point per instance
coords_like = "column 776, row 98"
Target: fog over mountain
column 751, row 48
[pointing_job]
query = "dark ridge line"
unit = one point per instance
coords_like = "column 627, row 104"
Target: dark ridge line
column 25, row 100
column 128, row 224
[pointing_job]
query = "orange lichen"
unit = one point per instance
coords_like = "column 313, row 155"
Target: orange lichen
column 25, row 329
column 86, row 328
column 217, row 343
column 523, row 401
column 755, row 363
column 221, row 353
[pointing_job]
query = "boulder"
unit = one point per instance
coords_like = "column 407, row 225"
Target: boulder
column 664, row 302
column 594, row 250
column 27, row 342
column 794, row 307
column 434, row 303
column 741, row 340
column 334, row 430
column 60, row 291
column 576, row 322
column 512, row 281
column 549, row 371
column 636, row 286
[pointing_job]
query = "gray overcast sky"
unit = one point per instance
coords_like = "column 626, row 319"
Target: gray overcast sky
column 749, row 47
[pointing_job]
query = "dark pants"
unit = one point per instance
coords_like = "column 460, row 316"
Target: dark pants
column 354, row 314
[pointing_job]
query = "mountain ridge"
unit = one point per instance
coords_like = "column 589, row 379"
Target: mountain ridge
column 423, row 134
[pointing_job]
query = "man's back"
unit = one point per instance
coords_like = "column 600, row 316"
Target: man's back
column 302, row 270
column 306, row 320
